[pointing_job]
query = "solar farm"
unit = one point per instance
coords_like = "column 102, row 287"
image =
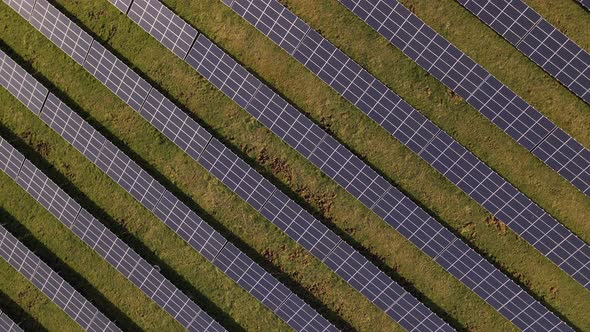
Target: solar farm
column 310, row 165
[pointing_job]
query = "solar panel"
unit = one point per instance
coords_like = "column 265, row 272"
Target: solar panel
column 6, row 324
column 23, row 7
column 122, row 5
column 167, row 28
column 225, row 73
column 469, row 80
column 422, row 137
column 11, row 160
column 161, row 113
column 239, row 85
column 52, row 284
column 112, row 249
column 117, row 76
column 61, row 31
column 146, row 190
column 585, row 3
column 540, row 41
column 22, row 85
column 253, row 189
column 567, row 156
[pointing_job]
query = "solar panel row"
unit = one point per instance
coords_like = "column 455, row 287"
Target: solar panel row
column 354, row 175
column 184, row 222
column 548, row 47
column 478, row 87
column 423, row 137
column 388, row 294
column 104, row 242
column 347, row 170
column 256, row 190
column 52, row 284
column 6, row 324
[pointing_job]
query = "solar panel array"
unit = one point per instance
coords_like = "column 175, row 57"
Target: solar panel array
column 7, row 325
column 98, row 237
column 530, row 33
column 418, row 133
column 169, row 209
column 256, row 190
column 354, row 175
column 477, row 86
column 263, row 196
column 351, row 173
column 52, row 284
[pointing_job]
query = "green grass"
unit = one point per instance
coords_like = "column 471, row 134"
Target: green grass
column 293, row 173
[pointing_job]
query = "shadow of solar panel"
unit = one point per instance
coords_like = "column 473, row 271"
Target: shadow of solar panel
column 21, row 84
column 116, row 76
column 162, row 24
column 23, row 7
column 540, row 41
column 6, row 324
column 52, row 285
column 61, row 31
column 146, row 190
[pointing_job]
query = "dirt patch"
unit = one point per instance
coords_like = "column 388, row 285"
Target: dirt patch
column 496, row 223
column 277, row 166
column 40, row 147
column 323, row 201
column 270, row 255
column 553, row 292
column 468, row 230
column 456, row 99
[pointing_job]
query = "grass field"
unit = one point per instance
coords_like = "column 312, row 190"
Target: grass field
column 234, row 308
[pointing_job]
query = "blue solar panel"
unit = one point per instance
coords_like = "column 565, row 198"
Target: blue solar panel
column 116, row 76
column 145, row 189
column 21, row 84
column 585, row 3
column 109, row 246
column 252, row 188
column 23, row 7
column 548, row 47
column 276, row 114
column 59, row 29
column 167, row 28
column 420, row 135
column 469, row 80
column 7, row 325
column 52, row 284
